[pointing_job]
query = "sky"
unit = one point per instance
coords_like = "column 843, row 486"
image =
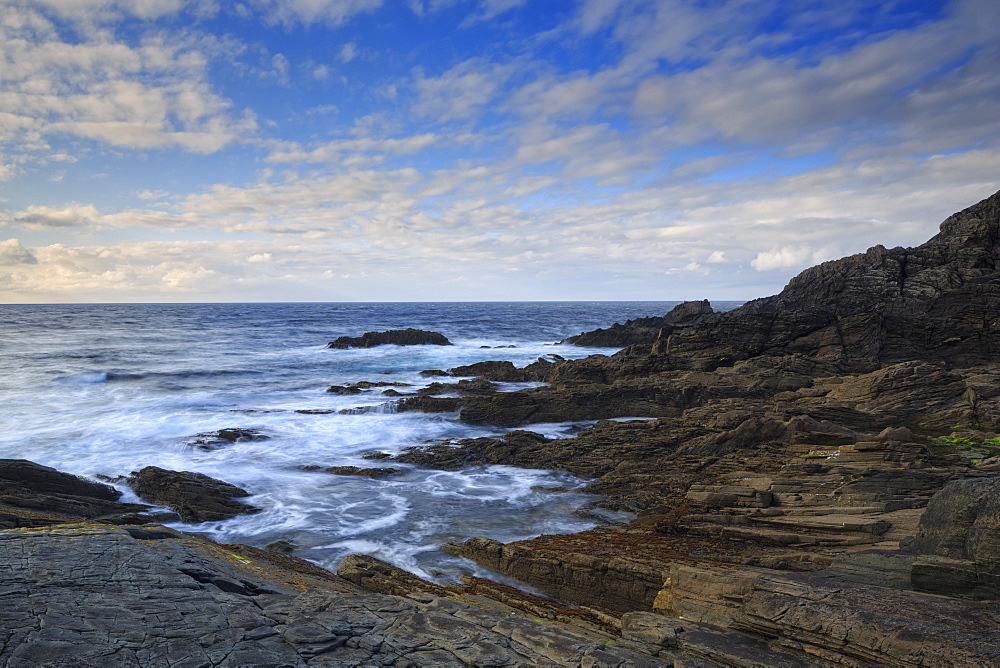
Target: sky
column 479, row 150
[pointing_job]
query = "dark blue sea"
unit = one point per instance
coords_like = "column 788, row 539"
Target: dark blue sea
column 108, row 389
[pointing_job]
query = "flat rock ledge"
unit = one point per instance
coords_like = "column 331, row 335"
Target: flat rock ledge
column 93, row 594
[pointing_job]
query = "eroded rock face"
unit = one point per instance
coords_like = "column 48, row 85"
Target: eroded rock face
column 399, row 337
column 195, row 496
column 958, row 541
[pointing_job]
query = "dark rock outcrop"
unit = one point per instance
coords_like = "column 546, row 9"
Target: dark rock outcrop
column 362, row 472
column 195, row 496
column 932, row 302
column 398, row 337
column 36, row 495
column 644, row 330
column 504, row 372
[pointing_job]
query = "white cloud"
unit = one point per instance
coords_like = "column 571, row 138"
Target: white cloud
column 40, row 217
column 308, row 12
column 461, row 92
column 148, row 94
column 13, row 253
column 783, row 257
column 348, row 52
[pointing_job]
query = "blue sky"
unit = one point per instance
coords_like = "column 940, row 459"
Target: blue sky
column 390, row 150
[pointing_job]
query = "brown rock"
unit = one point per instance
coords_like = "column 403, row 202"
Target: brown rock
column 195, row 496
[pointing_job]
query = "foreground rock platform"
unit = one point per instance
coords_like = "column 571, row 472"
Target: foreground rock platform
column 92, row 594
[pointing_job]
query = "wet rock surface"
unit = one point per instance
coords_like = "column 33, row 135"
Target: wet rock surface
column 225, row 437
column 194, row 496
column 398, row 337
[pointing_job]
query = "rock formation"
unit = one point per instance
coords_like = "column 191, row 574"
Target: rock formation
column 399, row 337
column 195, row 496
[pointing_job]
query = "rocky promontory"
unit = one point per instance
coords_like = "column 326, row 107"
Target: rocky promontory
column 814, row 478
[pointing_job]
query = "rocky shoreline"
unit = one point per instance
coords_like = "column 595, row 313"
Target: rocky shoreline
column 815, row 478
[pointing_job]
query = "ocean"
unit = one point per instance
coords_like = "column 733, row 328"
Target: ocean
column 110, row 388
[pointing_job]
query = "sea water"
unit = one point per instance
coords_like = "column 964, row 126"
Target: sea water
column 108, row 389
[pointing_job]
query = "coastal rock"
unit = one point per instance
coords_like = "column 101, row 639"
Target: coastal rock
column 194, row 496
column 842, row 624
column 399, row 337
column 463, row 387
column 932, row 302
column 619, row 583
column 36, row 495
column 644, row 330
column 224, row 437
column 500, row 371
column 343, row 390
column 958, row 541
column 92, row 595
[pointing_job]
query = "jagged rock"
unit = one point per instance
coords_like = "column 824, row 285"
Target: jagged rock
column 932, row 302
column 399, row 337
column 195, row 496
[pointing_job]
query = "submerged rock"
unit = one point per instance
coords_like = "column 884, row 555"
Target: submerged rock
column 399, row 337
column 362, row 472
column 214, row 440
column 195, row 496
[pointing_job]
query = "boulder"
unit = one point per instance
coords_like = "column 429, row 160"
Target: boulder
column 194, row 496
column 398, row 337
